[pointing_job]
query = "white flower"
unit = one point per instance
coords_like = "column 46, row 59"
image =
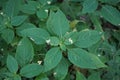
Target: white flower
column 67, row 32
column 39, row 62
column 1, row 13
column 2, row 49
column 19, row 43
column 99, row 55
column 46, row 10
column 70, row 40
column 48, row 41
column 101, row 16
column 74, row 30
column 54, row 73
column 32, row 39
column 49, row 2
column 100, row 32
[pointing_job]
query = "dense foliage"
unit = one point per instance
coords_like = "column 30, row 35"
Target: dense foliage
column 59, row 39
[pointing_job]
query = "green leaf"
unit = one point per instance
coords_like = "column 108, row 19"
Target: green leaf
column 83, row 59
column 94, row 49
column 61, row 70
column 108, row 47
column 17, row 20
column 8, row 74
column 30, row 8
column 94, row 76
column 70, row 38
column 54, row 41
column 114, row 2
column 12, row 8
column 24, row 26
column 116, row 34
column 111, row 14
column 8, row 35
column 87, row 38
column 1, row 19
column 31, row 70
column 24, row 52
column 63, row 47
column 89, row 6
column 42, row 77
column 42, row 14
column 57, row 23
column 2, row 2
column 52, row 58
column 12, row 64
column 38, row 35
column 80, row 76
column 2, row 28
column 96, row 21
column 16, row 77
column 97, row 24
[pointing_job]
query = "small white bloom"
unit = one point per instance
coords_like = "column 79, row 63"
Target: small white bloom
column 19, row 43
column 32, row 39
column 67, row 32
column 49, row 2
column 101, row 16
column 99, row 48
column 6, row 23
column 48, row 41
column 39, row 62
column 2, row 49
column 1, row 13
column 54, row 73
column 74, row 30
column 46, row 10
column 85, row 30
column 100, row 32
column 99, row 55
column 70, row 40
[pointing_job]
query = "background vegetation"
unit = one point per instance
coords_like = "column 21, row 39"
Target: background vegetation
column 59, row 39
